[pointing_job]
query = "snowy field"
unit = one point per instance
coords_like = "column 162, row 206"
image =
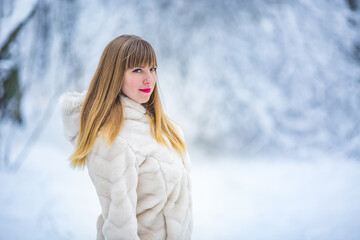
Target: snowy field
column 248, row 199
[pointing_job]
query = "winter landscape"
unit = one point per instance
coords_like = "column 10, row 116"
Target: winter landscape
column 267, row 93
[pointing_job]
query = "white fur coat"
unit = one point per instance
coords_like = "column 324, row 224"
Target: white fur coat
column 143, row 187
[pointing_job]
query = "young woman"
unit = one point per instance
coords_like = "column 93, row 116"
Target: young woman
column 135, row 155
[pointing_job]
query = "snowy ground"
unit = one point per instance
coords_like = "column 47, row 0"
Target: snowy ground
column 252, row 199
column 317, row 199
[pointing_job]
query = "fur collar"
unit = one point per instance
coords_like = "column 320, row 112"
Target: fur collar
column 133, row 110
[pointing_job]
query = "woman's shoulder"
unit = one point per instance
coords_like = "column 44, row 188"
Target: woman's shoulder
column 115, row 154
column 70, row 105
column 104, row 148
column 71, row 102
column 129, row 139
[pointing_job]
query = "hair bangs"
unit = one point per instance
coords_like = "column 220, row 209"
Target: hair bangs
column 141, row 54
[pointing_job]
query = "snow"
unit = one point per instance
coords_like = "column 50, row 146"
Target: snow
column 233, row 198
column 14, row 13
column 277, row 199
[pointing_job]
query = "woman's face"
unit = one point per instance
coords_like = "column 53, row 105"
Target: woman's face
column 139, row 83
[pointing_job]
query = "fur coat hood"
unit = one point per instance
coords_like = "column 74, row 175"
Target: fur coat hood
column 144, row 188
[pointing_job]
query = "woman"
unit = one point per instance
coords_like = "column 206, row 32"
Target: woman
column 135, row 155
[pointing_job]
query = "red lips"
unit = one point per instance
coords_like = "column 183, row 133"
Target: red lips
column 145, row 90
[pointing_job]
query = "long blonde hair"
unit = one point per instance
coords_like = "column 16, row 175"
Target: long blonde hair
column 102, row 108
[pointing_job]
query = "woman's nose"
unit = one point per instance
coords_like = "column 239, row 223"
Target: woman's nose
column 149, row 78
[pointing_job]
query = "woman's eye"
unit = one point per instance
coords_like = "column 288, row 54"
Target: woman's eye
column 137, row 70
column 153, row 69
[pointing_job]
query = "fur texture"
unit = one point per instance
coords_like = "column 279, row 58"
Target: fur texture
column 143, row 187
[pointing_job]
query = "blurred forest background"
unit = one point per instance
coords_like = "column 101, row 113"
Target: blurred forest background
column 251, row 82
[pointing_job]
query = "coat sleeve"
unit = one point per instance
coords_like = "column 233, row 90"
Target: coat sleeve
column 114, row 172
